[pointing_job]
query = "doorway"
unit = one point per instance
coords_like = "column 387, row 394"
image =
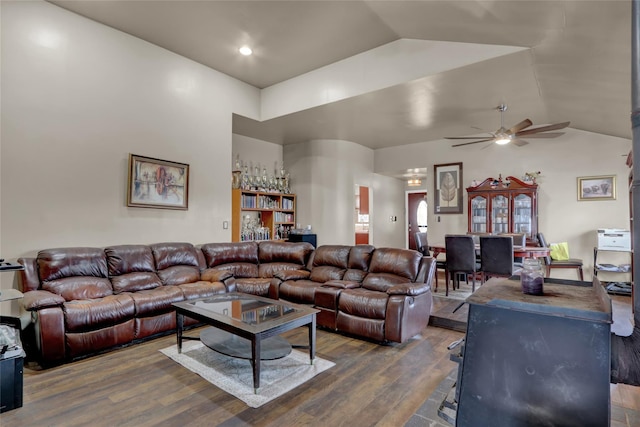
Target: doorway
column 417, row 209
column 362, row 215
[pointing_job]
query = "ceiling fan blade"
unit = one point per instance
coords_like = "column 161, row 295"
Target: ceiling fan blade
column 522, row 125
column 464, row 137
column 543, row 129
column 473, row 142
column 545, row 135
column 519, row 142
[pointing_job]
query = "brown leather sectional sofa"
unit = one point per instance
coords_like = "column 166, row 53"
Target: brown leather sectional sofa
column 88, row 300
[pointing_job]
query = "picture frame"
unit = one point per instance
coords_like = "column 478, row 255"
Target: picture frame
column 448, row 188
column 156, row 183
column 597, row 187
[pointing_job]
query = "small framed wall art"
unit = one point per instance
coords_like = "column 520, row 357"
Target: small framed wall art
column 597, row 187
column 155, row 183
column 448, row 188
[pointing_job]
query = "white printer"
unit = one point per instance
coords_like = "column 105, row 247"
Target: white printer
column 614, row 239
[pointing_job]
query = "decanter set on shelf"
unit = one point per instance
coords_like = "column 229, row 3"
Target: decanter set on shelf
column 247, row 177
column 254, row 229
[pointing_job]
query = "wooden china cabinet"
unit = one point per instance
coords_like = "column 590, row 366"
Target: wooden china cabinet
column 504, row 206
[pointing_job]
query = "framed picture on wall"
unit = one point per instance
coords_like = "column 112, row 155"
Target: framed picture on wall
column 155, row 183
column 597, row 187
column 447, row 180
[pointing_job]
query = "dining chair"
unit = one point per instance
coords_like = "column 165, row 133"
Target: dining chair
column 552, row 263
column 519, row 239
column 461, row 258
column 422, row 243
column 496, row 256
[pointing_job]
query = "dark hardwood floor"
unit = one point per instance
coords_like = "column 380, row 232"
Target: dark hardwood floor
column 371, row 384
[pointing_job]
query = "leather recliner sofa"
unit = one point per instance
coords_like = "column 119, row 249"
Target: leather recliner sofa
column 87, row 300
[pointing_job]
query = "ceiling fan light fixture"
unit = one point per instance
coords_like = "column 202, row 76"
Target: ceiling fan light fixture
column 503, row 140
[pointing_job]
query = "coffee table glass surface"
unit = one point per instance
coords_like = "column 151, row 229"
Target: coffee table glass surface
column 243, row 324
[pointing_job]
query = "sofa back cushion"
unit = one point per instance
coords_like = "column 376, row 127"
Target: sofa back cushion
column 390, row 266
column 177, row 263
column 226, row 253
column 284, row 252
column 329, row 263
column 280, row 256
column 131, row 268
column 359, row 260
column 74, row 273
column 239, row 258
column 170, row 254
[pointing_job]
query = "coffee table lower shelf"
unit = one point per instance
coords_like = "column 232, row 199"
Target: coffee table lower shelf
column 234, row 346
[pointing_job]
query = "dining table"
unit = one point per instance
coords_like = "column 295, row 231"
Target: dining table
column 518, row 251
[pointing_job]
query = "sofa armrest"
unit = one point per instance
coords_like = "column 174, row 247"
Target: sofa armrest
column 215, row 275
column 28, row 278
column 409, row 289
column 36, row 300
column 285, row 275
column 343, row 284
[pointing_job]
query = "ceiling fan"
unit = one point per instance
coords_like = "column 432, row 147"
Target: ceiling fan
column 505, row 136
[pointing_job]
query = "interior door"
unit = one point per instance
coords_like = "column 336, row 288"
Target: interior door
column 416, row 216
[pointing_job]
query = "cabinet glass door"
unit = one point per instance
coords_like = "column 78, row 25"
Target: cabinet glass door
column 522, row 214
column 479, row 215
column 499, row 214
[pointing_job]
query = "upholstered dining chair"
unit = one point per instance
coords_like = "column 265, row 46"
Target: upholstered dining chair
column 496, row 256
column 519, row 239
column 422, row 243
column 552, row 263
column 461, row 258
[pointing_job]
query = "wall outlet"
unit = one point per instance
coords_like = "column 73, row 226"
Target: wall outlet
column 225, row 225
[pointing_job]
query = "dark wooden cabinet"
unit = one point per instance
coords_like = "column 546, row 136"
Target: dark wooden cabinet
column 504, row 206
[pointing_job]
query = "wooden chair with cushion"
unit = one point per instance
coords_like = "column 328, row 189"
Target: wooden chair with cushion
column 422, row 243
column 552, row 263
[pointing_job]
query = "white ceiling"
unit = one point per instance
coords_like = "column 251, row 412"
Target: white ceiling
column 577, row 67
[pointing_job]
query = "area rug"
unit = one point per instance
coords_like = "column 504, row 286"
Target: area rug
column 235, row 376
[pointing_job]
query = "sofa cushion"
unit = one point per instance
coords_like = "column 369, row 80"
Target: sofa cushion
column 271, row 269
column 90, row 314
column 363, row 303
column 179, row 274
column 225, row 253
column 253, row 286
column 284, row 252
column 360, row 257
column 79, row 287
column 202, row 289
column 325, row 273
column 133, row 282
column 299, row 291
column 155, row 301
column 332, row 255
column 401, row 262
column 237, row 269
column 170, row 254
column 69, row 262
column 390, row 266
column 125, row 259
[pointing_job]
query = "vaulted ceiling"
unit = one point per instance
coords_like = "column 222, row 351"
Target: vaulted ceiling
column 576, row 65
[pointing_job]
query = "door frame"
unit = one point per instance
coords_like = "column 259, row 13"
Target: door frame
column 406, row 211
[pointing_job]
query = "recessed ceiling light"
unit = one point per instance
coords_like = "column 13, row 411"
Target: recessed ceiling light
column 245, row 50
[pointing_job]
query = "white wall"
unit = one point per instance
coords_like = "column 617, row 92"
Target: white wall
column 561, row 217
column 324, row 174
column 257, row 152
column 77, row 98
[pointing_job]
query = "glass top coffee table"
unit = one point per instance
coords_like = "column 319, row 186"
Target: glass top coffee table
column 247, row 326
